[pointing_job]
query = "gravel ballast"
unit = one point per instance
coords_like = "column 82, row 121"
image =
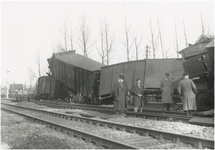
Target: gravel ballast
column 21, row 134
column 167, row 126
column 120, row 136
column 174, row 127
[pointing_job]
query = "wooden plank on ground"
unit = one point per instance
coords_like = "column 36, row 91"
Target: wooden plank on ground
column 204, row 121
column 209, row 112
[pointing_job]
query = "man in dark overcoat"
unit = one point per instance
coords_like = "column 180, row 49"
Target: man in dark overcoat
column 120, row 91
column 167, row 89
column 187, row 89
column 138, row 90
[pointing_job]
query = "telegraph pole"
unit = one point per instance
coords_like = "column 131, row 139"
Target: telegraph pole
column 147, row 51
column 7, row 86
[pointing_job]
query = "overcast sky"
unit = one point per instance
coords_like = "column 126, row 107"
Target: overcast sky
column 29, row 28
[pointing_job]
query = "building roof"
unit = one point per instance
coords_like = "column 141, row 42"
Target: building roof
column 77, row 60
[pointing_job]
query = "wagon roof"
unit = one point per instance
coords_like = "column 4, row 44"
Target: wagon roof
column 201, row 40
column 204, row 38
column 77, row 60
column 133, row 61
column 211, row 44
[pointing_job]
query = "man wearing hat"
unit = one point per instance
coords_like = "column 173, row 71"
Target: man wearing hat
column 120, row 91
column 167, row 89
column 187, row 89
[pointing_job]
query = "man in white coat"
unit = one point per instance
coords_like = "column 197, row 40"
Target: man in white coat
column 187, row 89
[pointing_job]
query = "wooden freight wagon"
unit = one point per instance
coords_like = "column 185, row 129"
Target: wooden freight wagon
column 151, row 71
column 194, row 65
column 109, row 75
column 74, row 71
column 44, row 88
column 210, row 48
column 156, row 69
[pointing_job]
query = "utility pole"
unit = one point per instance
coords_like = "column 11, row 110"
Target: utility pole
column 7, row 85
column 147, row 51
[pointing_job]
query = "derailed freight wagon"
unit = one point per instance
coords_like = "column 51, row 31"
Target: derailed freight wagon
column 151, row 71
column 199, row 63
column 75, row 73
column 44, row 88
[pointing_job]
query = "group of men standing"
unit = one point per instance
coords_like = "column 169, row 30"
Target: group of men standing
column 186, row 89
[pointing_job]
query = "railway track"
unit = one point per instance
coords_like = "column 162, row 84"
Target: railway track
column 107, row 143
column 153, row 114
column 99, row 141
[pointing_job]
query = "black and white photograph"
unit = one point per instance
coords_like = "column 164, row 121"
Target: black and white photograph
column 107, row 74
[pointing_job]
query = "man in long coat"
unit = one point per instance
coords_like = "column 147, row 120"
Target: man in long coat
column 138, row 90
column 167, row 89
column 187, row 89
column 120, row 91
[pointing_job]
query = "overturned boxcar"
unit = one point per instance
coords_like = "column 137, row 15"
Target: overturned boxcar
column 44, row 88
column 151, row 71
column 75, row 73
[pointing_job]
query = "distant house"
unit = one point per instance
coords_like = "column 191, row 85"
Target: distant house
column 15, row 89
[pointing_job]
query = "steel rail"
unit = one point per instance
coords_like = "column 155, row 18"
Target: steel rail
column 109, row 108
column 83, row 105
column 67, row 105
column 161, row 116
column 144, row 131
column 100, row 141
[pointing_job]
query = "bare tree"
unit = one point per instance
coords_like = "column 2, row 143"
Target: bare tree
column 161, row 41
column 202, row 24
column 31, row 76
column 185, row 35
column 176, row 38
column 59, row 48
column 102, row 49
column 65, row 34
column 205, row 26
column 137, row 42
column 38, row 62
column 127, row 43
column 209, row 27
column 85, row 35
column 108, row 41
column 71, row 40
column 166, row 52
column 153, row 39
column 71, row 37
